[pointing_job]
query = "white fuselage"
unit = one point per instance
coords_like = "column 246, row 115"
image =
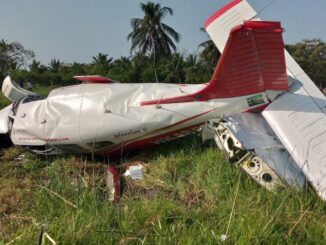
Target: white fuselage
column 96, row 116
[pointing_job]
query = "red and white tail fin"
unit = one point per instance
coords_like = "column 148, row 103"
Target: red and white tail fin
column 252, row 62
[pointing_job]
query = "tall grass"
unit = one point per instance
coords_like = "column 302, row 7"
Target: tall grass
column 187, row 197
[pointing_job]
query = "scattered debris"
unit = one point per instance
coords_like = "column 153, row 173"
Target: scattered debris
column 224, row 237
column 135, row 172
column 19, row 157
column 113, row 184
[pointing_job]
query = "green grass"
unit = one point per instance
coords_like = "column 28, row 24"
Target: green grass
column 186, row 198
column 3, row 101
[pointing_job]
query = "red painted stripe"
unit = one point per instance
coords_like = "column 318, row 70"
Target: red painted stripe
column 144, row 143
column 220, row 12
column 127, row 143
column 93, row 79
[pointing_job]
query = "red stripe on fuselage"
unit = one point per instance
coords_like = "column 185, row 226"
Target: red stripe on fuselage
column 148, row 141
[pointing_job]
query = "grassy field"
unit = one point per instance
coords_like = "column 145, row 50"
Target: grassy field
column 190, row 195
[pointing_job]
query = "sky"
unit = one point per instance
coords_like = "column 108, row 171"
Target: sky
column 76, row 30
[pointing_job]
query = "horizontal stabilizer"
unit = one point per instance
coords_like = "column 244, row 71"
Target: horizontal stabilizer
column 12, row 91
column 219, row 25
column 93, row 79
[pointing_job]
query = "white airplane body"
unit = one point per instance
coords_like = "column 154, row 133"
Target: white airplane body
column 105, row 117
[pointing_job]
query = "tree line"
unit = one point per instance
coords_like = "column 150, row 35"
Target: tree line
column 154, row 57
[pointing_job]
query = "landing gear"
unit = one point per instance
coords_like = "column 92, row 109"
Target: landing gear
column 248, row 160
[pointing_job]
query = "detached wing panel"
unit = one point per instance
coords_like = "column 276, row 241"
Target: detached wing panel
column 300, row 124
column 12, row 91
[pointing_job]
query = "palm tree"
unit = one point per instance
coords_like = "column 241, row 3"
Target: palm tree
column 101, row 64
column 150, row 35
column 209, row 52
column 102, row 59
column 173, row 68
column 55, row 66
column 36, row 67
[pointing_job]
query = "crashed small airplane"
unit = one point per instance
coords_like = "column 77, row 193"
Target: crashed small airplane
column 259, row 106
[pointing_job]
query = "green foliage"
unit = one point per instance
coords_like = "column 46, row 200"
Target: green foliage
column 151, row 36
column 12, row 56
column 101, row 64
column 170, row 68
column 209, row 54
column 55, row 65
column 311, row 56
column 3, row 101
column 175, row 68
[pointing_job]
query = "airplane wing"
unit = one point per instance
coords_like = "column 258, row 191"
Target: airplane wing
column 300, row 123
